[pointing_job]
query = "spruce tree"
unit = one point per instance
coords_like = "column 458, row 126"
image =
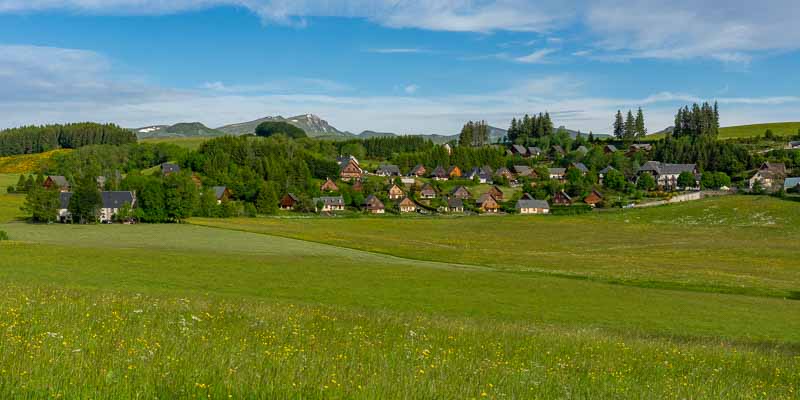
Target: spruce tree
column 85, row 203
column 641, row 130
column 619, row 125
column 629, row 127
column 267, row 199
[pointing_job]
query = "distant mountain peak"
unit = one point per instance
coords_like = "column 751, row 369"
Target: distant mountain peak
column 312, row 124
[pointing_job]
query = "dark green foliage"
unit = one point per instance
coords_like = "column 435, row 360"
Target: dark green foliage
column 110, row 161
column 629, row 128
column 641, row 130
column 267, row 199
column 386, row 147
column 619, row 125
column 614, row 180
column 180, row 196
column 271, row 128
column 38, row 139
column 576, row 209
column 686, row 180
column 697, row 121
column 708, row 153
column 715, row 180
column 85, row 203
column 3, row 236
column 526, row 130
column 646, row 182
column 42, row 204
column 474, row 134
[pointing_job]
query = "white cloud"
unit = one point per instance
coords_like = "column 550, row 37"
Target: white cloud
column 537, row 57
column 411, row 89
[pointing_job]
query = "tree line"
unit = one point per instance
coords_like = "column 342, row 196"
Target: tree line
column 525, row 130
column 630, row 128
column 39, row 139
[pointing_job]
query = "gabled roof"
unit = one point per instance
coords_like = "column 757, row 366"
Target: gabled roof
column 407, row 202
column 219, row 191
column 59, row 180
column 427, row 188
column 453, row 169
column 534, row 150
column 116, row 199
column 523, row 170
column 291, row 196
column 641, row 146
column 454, row 202
column 372, row 202
column 168, row 168
column 557, row 171
column 480, row 172
column 659, row 168
column 558, row 149
column 581, row 167
column 607, row 170
column 330, row 200
column 484, row 198
column 774, row 168
column 611, row 148
column 418, row 169
column 582, row 149
column 389, row 169
column 460, row 189
column 519, row 149
column 523, row 203
column 564, row 195
column 439, row 172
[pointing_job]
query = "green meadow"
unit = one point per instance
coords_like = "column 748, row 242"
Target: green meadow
column 479, row 307
column 191, row 143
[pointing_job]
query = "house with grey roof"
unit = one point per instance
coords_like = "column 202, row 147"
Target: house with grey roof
column 580, row 167
column 666, row 175
column 111, row 203
column 328, row 203
column 388, row 170
column 440, row 174
column 795, row 145
column 221, row 193
column 56, row 182
column 769, row 176
column 481, row 174
column 534, row 151
column 558, row 173
column 169, row 168
column 792, row 185
column 528, row 206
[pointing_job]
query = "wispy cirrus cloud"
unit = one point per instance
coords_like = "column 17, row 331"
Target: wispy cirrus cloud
column 537, row 57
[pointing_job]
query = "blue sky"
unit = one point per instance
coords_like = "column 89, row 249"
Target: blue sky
column 395, row 65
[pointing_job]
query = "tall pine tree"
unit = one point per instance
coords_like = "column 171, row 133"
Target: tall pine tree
column 641, row 130
column 619, row 125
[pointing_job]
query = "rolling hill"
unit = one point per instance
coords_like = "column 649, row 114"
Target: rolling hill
column 313, row 125
column 784, row 129
column 183, row 129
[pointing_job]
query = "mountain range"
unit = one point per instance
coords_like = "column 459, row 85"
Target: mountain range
column 313, row 125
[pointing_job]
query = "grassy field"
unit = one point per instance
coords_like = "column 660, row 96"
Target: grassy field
column 192, row 143
column 9, row 203
column 668, row 247
column 26, row 163
column 785, row 129
column 186, row 311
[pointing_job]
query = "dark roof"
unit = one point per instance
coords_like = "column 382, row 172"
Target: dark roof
column 523, row 203
column 795, row 143
column 116, row 199
column 169, row 168
column 292, row 196
column 523, row 169
column 611, row 148
column 557, row 171
column 373, row 202
column 534, row 150
column 502, row 170
column 455, row 203
column 416, row 169
column 581, row 166
column 330, row 200
column 64, row 199
column 519, row 149
column 439, row 172
column 59, row 180
column 607, row 170
column 480, row 172
column 485, row 197
column 659, row 168
column 389, row 170
column 427, row 188
column 582, row 149
column 219, row 191
column 558, row 149
column 775, row 168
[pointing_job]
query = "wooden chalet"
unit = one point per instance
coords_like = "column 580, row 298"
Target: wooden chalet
column 460, row 192
column 580, row 167
column 440, row 174
column 487, row 204
column 328, row 203
column 418, row 171
column 562, row 199
column 455, row 205
column 288, row 201
column 505, row 173
column 56, row 182
column 496, row 193
column 639, row 148
column 594, row 198
column 582, row 149
column 396, row 193
column 610, row 149
column 666, row 175
column 770, row 176
column 349, row 169
column 358, row 186
column 524, row 170
column 534, row 151
column 427, row 192
column 374, row 205
column 558, row 151
column 519, row 150
column 558, row 174
column 388, row 170
column 407, row 205
column 221, row 193
column 454, row 172
column 329, row 186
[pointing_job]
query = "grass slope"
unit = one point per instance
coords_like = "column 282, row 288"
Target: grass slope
column 670, row 247
column 191, row 143
column 785, row 129
column 25, row 163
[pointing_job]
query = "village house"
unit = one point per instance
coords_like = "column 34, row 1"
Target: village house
column 439, row 174
column 528, row 206
column 481, row 173
column 396, row 193
column 487, row 204
column 558, row 151
column 329, row 186
column 636, row 148
column 168, row 169
column 580, row 167
column 349, row 169
column 221, row 193
column 792, row 185
column 505, row 173
column 534, row 151
column 358, row 186
column 455, row 205
column 289, row 201
column 388, row 170
column 427, row 192
column 496, row 193
column 603, row 172
column 519, row 150
column 582, row 149
column 795, row 145
column 524, row 170
column 418, row 171
column 609, row 149
column 328, row 203
column 562, row 199
column 460, row 192
column 454, row 172
column 373, row 205
column 594, row 198
column 769, row 176
column 111, row 203
column 58, row 182
column 407, row 206
column 558, row 173
column 666, row 175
